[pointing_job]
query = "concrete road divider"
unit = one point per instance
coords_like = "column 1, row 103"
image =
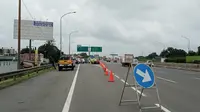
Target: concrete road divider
column 181, row 66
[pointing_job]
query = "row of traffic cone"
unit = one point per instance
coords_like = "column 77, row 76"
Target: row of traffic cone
column 106, row 72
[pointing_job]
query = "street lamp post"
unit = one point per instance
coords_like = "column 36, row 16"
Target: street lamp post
column 70, row 40
column 61, row 30
column 188, row 42
column 162, row 44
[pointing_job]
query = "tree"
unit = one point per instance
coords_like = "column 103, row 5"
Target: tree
column 50, row 51
column 198, row 52
column 192, row 53
column 26, row 50
column 164, row 53
column 173, row 52
column 152, row 55
column 1, row 51
column 84, row 55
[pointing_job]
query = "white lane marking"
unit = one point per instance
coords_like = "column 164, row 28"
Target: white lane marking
column 167, row 80
column 117, row 76
column 97, row 66
column 197, row 78
column 71, row 91
column 131, row 87
column 163, row 108
column 122, row 80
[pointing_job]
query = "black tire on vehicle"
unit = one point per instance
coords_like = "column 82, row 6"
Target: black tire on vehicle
column 72, row 68
column 59, row 68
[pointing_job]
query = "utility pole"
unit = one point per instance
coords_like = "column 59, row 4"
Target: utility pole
column 30, row 49
column 19, row 34
column 188, row 42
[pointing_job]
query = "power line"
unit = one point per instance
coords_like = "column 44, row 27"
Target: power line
column 31, row 15
column 27, row 9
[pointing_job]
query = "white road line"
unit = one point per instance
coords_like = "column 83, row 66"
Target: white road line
column 197, row 78
column 163, row 108
column 117, row 76
column 167, row 80
column 98, row 66
column 122, row 80
column 71, row 91
column 131, row 87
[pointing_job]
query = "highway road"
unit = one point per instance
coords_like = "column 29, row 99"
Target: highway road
column 86, row 89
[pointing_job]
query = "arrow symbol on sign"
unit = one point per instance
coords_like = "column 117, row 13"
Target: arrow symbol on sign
column 146, row 77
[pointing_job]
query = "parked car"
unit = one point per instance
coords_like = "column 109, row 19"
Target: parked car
column 150, row 63
column 65, row 62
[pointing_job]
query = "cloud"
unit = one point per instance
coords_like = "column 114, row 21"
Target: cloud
column 130, row 26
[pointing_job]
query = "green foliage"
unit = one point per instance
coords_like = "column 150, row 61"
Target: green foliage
column 190, row 59
column 152, row 56
column 173, row 52
column 176, row 60
column 50, row 51
column 198, row 52
column 26, row 50
column 192, row 53
column 84, row 55
column 1, row 51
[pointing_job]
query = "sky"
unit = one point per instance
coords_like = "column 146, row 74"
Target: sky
column 138, row 27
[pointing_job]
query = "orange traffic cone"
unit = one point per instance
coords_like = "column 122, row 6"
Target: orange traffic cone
column 106, row 71
column 111, row 78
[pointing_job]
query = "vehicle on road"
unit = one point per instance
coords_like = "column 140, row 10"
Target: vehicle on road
column 149, row 63
column 108, row 60
column 82, row 61
column 87, row 60
column 66, row 62
column 94, row 61
column 78, row 61
column 115, row 60
column 126, row 60
column 135, row 62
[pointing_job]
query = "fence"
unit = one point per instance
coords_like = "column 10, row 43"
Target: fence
column 19, row 73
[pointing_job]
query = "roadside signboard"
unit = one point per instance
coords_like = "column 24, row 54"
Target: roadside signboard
column 82, row 48
column 128, row 58
column 34, row 30
column 144, row 75
column 96, row 49
column 114, row 54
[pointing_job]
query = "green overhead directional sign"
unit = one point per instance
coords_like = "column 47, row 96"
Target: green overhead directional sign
column 82, row 48
column 96, row 49
column 86, row 49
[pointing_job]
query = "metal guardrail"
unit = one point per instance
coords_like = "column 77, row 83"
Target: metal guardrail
column 22, row 72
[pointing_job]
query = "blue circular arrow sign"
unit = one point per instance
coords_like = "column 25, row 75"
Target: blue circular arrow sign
column 144, row 75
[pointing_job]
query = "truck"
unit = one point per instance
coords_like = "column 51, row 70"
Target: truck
column 126, row 60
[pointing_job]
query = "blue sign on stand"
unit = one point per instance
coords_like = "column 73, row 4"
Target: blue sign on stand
column 144, row 75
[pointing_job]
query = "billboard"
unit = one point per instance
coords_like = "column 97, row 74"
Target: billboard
column 34, row 30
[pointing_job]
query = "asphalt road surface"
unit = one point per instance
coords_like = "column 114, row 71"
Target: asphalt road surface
column 86, row 89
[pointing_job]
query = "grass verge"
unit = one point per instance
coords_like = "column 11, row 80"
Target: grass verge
column 11, row 81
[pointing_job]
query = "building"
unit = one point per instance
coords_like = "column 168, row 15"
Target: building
column 7, row 51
